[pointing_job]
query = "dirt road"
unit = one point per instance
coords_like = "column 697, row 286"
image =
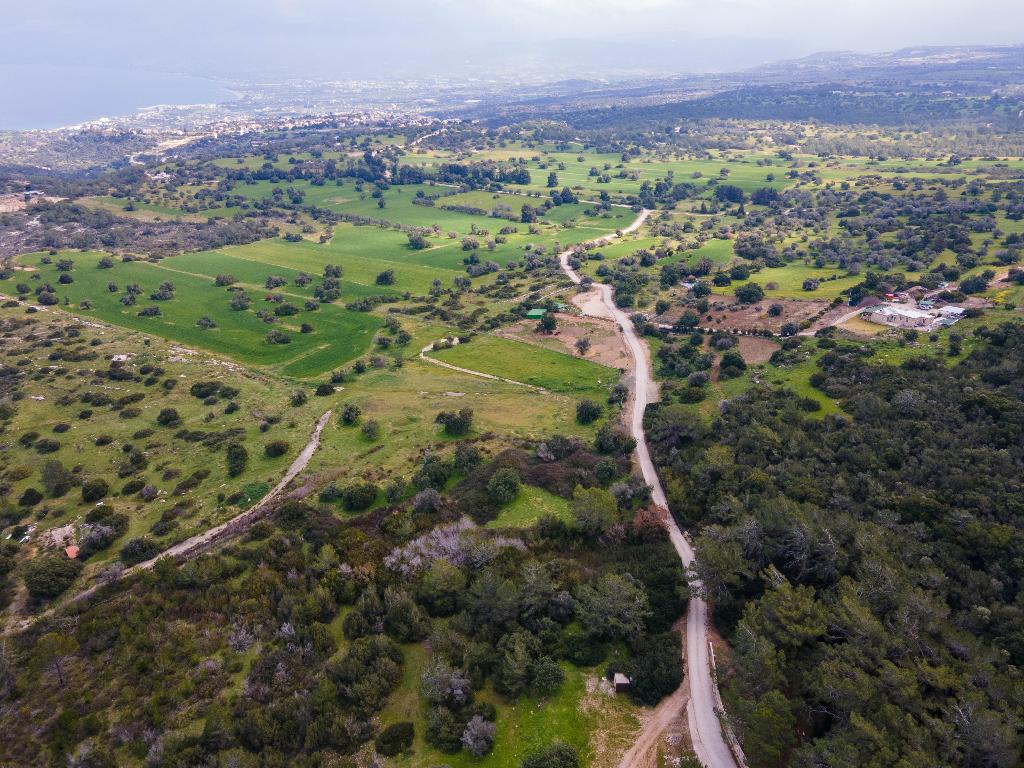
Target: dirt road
column 201, row 541
column 705, row 728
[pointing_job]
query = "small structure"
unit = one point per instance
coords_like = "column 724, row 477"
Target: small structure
column 621, row 682
column 536, row 314
column 901, row 317
column 71, row 551
column 952, row 312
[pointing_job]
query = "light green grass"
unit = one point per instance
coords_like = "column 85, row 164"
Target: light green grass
column 531, row 364
column 530, row 506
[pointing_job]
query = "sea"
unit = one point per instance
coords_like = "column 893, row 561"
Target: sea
column 37, row 96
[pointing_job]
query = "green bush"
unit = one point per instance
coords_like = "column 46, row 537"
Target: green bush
column 48, row 576
column 276, row 448
column 95, row 489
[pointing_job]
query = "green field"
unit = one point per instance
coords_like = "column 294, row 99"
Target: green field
column 533, row 365
column 530, row 506
column 339, row 335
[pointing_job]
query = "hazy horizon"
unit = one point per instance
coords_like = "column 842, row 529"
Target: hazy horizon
column 66, row 62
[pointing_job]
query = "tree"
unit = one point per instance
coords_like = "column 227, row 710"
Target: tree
column 48, row 576
column 503, row 486
column 276, row 448
column 350, row 414
column 478, row 737
column 557, row 755
column 593, row 510
column 51, row 653
column 548, row 323
column 168, row 417
column 749, row 293
column 55, row 478
column 387, row 277
column 656, row 667
column 237, row 458
column 614, row 607
column 456, row 423
column 94, row 489
column 583, row 346
column 552, row 180
column 769, row 733
column 587, row 411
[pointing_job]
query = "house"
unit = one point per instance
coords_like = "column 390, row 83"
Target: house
column 952, row 312
column 536, row 314
column 900, row 317
column 621, row 682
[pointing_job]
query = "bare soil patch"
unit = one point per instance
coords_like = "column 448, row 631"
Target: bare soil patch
column 756, row 349
column 606, row 345
column 729, row 315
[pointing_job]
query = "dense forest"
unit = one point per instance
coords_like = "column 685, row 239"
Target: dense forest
column 866, row 566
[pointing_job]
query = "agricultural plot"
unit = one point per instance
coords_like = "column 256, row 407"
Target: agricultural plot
column 337, row 336
column 533, row 365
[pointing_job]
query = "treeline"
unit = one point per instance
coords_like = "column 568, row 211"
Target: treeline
column 866, row 565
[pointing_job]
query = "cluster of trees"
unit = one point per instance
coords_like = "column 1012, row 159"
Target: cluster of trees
column 865, row 566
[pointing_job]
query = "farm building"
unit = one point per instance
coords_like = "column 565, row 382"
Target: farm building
column 901, row 317
column 536, row 314
column 621, row 682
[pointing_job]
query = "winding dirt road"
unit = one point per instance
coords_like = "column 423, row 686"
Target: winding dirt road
column 705, row 728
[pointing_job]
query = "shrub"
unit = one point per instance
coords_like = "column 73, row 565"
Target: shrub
column 168, row 417
column 237, row 458
column 94, row 489
column 139, row 550
column 395, row 739
column 276, row 448
column 48, row 576
column 587, row 412
column 503, row 486
column 478, row 736
column 556, row 755
column 30, row 497
column 359, row 496
column 371, row 430
column 350, row 414
column 456, row 423
column 750, row 293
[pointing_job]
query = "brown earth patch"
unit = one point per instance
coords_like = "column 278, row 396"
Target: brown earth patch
column 756, row 349
column 606, row 345
column 727, row 314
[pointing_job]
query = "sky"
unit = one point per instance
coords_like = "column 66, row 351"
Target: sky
column 392, row 38
column 66, row 61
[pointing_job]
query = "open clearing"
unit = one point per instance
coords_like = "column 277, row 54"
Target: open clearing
column 531, row 364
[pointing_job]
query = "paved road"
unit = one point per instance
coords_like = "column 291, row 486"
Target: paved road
column 705, row 728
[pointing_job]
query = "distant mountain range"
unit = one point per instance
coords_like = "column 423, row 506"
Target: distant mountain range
column 926, row 83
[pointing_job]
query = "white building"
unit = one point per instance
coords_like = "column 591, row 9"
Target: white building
column 901, row 317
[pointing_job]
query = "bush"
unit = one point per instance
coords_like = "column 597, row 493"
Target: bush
column 95, row 489
column 48, row 576
column 371, row 430
column 350, row 414
column 557, row 755
column 237, row 458
column 456, row 423
column 395, row 739
column 587, row 412
column 503, row 486
column 139, row 550
column 276, row 448
column 750, row 293
column 359, row 496
column 168, row 417
column 656, row 667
